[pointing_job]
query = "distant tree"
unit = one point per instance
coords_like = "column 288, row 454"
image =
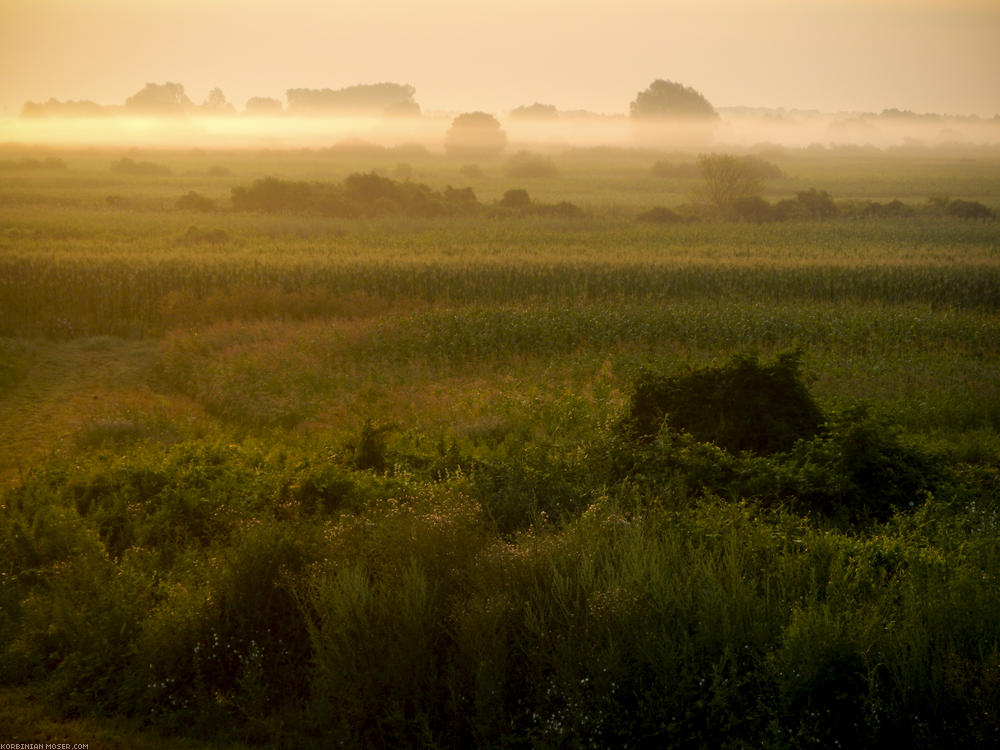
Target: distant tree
column 364, row 99
column 160, row 99
column 475, row 134
column 216, row 104
column 666, row 99
column 535, row 111
column 728, row 179
column 54, row 107
column 402, row 109
column 263, row 105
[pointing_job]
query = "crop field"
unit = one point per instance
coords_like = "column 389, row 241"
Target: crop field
column 490, row 471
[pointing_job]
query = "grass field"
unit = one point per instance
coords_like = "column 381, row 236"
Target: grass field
column 293, row 480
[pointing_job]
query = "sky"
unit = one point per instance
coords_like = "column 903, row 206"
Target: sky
column 831, row 55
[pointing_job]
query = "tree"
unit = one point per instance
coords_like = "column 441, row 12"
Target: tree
column 475, row 134
column 363, row 99
column 535, row 111
column 160, row 99
column 666, row 99
column 216, row 104
column 728, row 180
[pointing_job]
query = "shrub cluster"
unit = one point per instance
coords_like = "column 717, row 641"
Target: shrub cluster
column 748, row 429
column 286, row 596
column 359, row 196
column 819, row 204
column 517, row 201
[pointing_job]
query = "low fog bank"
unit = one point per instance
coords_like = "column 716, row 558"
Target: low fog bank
column 735, row 128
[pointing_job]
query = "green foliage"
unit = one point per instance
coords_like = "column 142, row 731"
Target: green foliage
column 741, row 406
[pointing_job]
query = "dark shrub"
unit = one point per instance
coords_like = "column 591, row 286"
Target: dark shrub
column 753, row 208
column 741, row 406
column 563, row 209
column 861, row 469
column 818, row 203
column 661, row 215
column 193, row 201
column 515, row 198
column 969, row 210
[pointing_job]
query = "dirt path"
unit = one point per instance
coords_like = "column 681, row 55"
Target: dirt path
column 66, row 386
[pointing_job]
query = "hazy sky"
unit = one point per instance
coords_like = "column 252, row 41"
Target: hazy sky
column 832, row 55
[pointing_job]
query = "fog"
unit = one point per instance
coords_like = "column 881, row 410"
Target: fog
column 735, row 129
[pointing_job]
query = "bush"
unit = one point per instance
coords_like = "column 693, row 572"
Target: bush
column 969, row 210
column 661, row 215
column 741, row 406
column 360, row 195
column 817, row 203
column 753, row 208
column 193, row 201
column 515, row 198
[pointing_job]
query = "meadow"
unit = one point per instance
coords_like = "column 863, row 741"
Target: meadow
column 285, row 480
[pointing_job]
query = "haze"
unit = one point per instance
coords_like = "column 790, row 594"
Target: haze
column 827, row 55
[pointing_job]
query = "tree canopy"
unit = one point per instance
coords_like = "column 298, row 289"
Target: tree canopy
column 667, row 99
column 160, row 99
column 363, row 99
column 475, row 134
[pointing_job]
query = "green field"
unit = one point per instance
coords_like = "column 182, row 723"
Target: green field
column 294, row 480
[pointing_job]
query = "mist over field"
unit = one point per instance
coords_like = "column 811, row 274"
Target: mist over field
column 738, row 128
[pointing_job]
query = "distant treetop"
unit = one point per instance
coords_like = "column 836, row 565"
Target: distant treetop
column 535, row 111
column 363, row 99
column 160, row 99
column 667, row 99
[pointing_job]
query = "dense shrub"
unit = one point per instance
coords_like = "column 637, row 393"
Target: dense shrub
column 360, row 195
column 515, row 198
column 193, row 201
column 969, row 210
column 743, row 405
column 661, row 215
